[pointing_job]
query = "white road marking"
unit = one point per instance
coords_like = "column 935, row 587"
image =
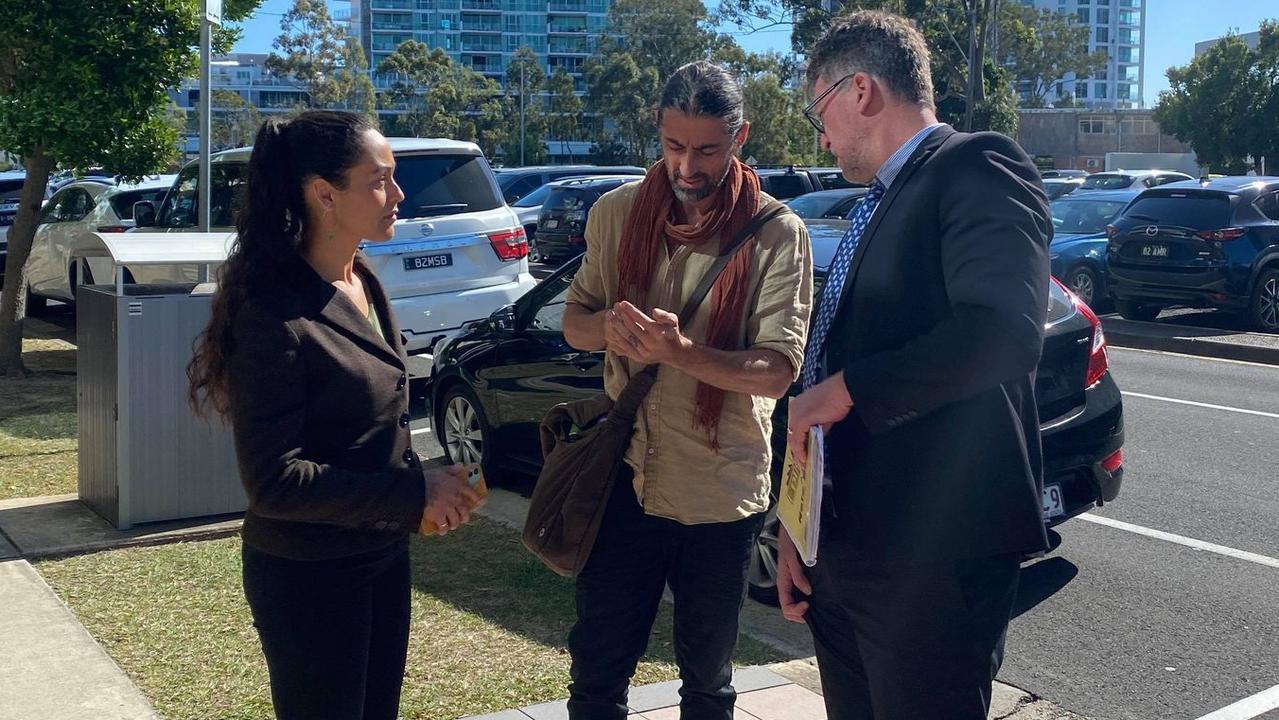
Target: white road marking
column 420, row 430
column 1192, row 357
column 1181, row 540
column 1249, row 707
column 1210, row 406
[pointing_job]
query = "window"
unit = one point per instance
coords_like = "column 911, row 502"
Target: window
column 549, row 315
column 1082, row 15
column 122, row 202
column 1084, row 217
column 1103, row 35
column 1091, row 124
column 53, row 209
column 1268, row 205
column 1103, row 16
column 1101, row 91
column 1206, row 211
column 226, row 195
column 1081, row 91
column 436, row 185
column 1135, row 125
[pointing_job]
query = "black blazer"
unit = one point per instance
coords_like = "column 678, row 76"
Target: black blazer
column 938, row 333
column 319, row 411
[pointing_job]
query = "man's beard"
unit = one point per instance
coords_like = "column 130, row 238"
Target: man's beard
column 699, row 193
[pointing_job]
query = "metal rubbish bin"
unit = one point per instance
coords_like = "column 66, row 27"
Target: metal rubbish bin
column 144, row 455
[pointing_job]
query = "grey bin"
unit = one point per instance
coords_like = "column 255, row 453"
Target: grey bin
column 144, row 455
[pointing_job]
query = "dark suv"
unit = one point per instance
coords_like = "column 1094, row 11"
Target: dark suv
column 561, row 226
column 1211, row 243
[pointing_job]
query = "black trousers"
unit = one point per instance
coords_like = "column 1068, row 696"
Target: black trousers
column 335, row 632
column 904, row 642
column 618, row 592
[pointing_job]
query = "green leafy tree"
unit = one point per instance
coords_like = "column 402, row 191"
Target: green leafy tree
column 315, row 50
column 525, row 81
column 955, row 30
column 645, row 42
column 1041, row 47
column 83, row 83
column 1216, row 102
column 235, row 121
column 623, row 94
column 564, row 118
column 437, row 97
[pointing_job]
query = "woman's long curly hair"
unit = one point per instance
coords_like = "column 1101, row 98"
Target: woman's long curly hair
column 270, row 229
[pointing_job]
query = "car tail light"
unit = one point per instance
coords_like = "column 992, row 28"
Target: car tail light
column 576, row 239
column 1113, row 461
column 509, row 244
column 112, row 228
column 1112, row 232
column 1221, row 235
column 1098, row 360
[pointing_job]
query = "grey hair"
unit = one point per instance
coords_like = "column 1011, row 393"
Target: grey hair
column 886, row 46
column 704, row 89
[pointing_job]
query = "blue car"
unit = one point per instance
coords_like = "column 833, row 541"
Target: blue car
column 1078, row 250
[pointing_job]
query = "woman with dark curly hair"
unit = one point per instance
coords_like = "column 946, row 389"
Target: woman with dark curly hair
column 302, row 356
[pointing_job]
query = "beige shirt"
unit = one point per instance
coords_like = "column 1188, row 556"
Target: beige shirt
column 677, row 474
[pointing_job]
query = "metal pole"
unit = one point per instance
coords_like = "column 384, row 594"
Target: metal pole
column 973, row 66
column 202, row 202
column 522, row 66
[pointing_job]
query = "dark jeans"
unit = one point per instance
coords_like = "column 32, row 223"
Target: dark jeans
column 903, row 642
column 335, row 632
column 635, row 557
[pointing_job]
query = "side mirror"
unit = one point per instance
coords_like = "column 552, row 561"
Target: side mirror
column 505, row 318
column 144, row 213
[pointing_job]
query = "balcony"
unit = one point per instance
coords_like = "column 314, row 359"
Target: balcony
column 567, row 6
column 481, row 45
column 384, row 26
column 392, row 5
column 557, row 28
column 482, row 23
column 482, row 5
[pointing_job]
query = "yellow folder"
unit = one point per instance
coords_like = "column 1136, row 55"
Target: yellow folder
column 799, row 503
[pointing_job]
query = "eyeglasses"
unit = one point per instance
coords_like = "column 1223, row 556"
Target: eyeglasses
column 814, row 118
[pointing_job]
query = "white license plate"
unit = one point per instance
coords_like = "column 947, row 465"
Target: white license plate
column 1158, row 251
column 1054, row 502
column 551, row 224
column 424, row 262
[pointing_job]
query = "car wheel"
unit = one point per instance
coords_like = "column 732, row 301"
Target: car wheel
column 1130, row 310
column 534, row 254
column 1084, row 282
column 762, row 574
column 37, row 305
column 464, row 429
column 1265, row 302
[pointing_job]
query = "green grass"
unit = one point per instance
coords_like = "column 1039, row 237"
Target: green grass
column 38, row 423
column 488, row 627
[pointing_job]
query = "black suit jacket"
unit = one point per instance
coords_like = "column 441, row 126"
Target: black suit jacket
column 938, row 333
column 319, row 410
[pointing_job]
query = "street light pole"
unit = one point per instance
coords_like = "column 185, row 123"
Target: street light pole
column 523, row 65
column 211, row 16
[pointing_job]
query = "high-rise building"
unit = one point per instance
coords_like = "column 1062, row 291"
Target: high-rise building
column 1250, row 39
column 1119, row 28
column 484, row 34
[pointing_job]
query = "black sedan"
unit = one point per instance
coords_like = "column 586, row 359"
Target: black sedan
column 495, row 381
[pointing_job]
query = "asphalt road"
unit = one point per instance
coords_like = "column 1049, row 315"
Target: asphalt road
column 1118, row 624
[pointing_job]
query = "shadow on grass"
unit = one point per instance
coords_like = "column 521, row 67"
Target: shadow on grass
column 484, row 570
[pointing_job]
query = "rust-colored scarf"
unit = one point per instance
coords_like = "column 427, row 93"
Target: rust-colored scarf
column 650, row 222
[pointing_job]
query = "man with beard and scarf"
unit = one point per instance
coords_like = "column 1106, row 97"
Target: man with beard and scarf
column 688, row 510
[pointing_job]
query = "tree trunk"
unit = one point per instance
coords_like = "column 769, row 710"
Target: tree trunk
column 13, row 299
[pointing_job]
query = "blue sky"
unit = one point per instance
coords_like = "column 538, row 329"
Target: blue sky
column 1172, row 29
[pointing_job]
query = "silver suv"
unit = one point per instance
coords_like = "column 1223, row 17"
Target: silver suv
column 458, row 254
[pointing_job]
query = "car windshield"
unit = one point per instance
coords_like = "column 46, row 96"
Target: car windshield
column 10, row 190
column 1084, row 217
column 811, row 205
column 436, row 185
column 226, row 195
column 1107, row 182
column 122, row 202
column 535, row 198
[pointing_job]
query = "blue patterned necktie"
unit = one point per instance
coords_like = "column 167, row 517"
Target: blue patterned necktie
column 835, row 279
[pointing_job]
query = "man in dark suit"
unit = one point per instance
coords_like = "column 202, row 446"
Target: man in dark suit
column 921, row 366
